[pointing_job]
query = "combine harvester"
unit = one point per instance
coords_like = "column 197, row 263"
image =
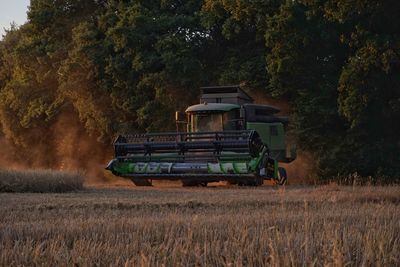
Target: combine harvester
column 227, row 138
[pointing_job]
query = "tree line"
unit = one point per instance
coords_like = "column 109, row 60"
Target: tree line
column 127, row 65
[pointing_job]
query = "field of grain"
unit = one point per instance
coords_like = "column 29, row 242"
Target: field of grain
column 221, row 226
column 39, row 181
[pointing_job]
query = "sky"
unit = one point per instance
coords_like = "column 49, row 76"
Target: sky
column 12, row 11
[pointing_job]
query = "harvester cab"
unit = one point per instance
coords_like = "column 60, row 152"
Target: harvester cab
column 227, row 138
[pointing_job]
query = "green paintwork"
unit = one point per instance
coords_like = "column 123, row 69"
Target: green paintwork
column 123, row 167
column 254, row 164
column 237, row 166
column 274, row 142
column 229, row 167
column 229, row 162
column 276, row 166
column 223, row 107
column 273, row 136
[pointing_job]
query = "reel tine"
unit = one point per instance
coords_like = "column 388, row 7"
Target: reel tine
column 189, row 145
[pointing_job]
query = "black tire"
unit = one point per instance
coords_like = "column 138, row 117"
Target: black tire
column 187, row 183
column 141, row 182
column 204, row 184
column 257, row 181
column 282, row 176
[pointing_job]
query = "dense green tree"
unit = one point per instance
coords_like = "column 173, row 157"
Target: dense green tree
column 30, row 59
column 304, row 64
column 141, row 59
column 369, row 85
column 126, row 66
column 336, row 62
column 236, row 29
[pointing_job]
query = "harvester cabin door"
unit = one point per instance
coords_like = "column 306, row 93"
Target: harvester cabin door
column 276, row 137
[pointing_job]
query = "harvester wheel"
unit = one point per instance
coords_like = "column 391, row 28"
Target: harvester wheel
column 282, row 176
column 257, row 181
column 204, row 184
column 141, row 182
column 186, row 183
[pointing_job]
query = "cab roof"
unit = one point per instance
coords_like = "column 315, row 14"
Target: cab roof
column 207, row 107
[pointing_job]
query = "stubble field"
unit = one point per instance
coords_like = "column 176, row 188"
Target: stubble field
column 221, row 226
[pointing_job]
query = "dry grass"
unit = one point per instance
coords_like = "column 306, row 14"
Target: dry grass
column 39, row 181
column 268, row 226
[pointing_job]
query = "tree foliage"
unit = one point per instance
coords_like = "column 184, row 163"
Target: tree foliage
column 338, row 62
column 126, row 66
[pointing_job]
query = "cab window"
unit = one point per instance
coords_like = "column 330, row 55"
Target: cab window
column 207, row 122
column 231, row 120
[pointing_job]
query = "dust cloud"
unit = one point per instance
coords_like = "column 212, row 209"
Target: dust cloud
column 9, row 155
column 301, row 170
column 66, row 146
column 261, row 98
column 77, row 150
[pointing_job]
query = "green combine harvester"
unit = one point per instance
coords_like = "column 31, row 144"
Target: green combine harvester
column 227, row 138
